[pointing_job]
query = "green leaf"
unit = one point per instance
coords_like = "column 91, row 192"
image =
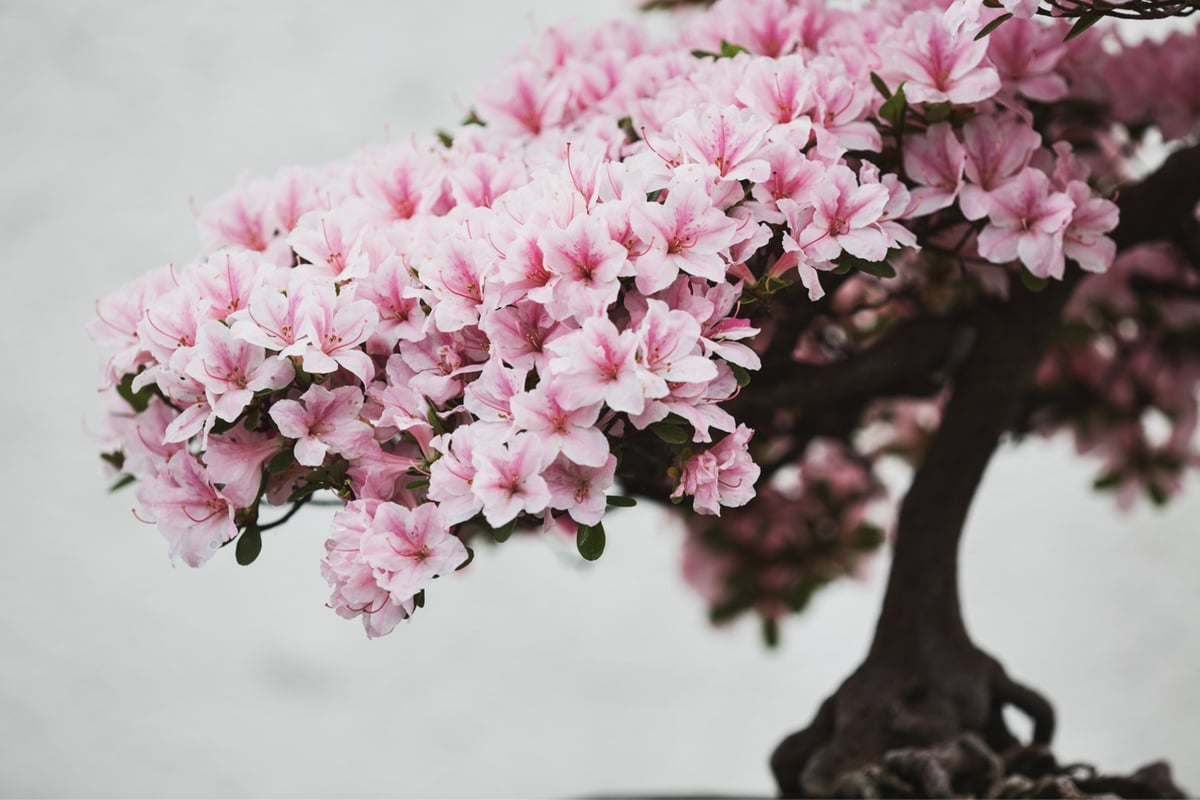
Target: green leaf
column 729, row 49
column 893, row 108
column 470, row 558
column 991, row 26
column 138, row 400
column 770, row 632
column 1084, row 22
column 281, row 461
column 868, row 536
column 419, row 599
column 502, row 533
column 938, row 112
column 420, row 483
column 446, row 139
column 1109, row 480
column 116, row 459
column 249, row 545
column 881, row 86
column 740, row 374
column 620, row 501
column 671, row 434
column 1157, row 494
column 122, row 482
column 1032, row 282
column 589, row 540
column 880, row 269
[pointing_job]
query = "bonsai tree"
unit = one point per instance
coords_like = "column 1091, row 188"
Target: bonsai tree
column 734, row 270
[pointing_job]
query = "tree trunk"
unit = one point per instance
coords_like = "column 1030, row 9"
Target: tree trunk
column 923, row 681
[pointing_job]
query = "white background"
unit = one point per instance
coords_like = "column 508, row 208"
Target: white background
column 528, row 674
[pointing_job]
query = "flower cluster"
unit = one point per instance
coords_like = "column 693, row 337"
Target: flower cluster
column 502, row 325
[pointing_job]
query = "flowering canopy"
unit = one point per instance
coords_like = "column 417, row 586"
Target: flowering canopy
column 567, row 297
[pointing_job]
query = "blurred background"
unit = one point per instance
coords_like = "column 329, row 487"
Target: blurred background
column 531, row 674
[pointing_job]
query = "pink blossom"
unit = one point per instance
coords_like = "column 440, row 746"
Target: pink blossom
column 935, row 160
column 997, row 149
column 451, row 476
column 235, row 462
column 572, row 432
column 940, row 64
column 192, row 515
column 1084, row 239
column 685, row 233
column 355, row 590
column 1025, row 53
column 508, row 478
column 1027, row 220
column 597, row 363
column 580, row 490
column 669, row 349
column 407, row 548
column 722, row 475
column 323, row 421
column 843, row 217
column 586, row 262
column 332, row 326
column 231, row 370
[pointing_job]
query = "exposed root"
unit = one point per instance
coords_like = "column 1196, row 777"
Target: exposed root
column 891, row 734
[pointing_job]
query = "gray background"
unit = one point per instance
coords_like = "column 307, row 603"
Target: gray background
column 529, row 674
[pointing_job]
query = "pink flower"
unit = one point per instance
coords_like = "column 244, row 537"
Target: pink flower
column 843, row 217
column 332, row 326
column 934, row 160
column 572, row 432
column 722, row 475
column 727, row 139
column 452, row 475
column 1025, row 53
column 940, row 63
column 193, row 516
column 1027, row 223
column 355, row 590
column 685, row 233
column 1084, row 239
column 235, row 461
column 579, row 490
column 407, row 548
column 669, row 349
column 997, row 149
column 231, row 370
column 597, row 363
column 508, row 478
column 586, row 262
column 323, row 422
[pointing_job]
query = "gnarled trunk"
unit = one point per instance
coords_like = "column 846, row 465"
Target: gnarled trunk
column 923, row 681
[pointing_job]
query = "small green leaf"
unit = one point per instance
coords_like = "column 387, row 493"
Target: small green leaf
column 770, row 632
column 116, row 459
column 419, row 599
column 419, row 483
column 1032, row 282
column 880, row 269
column 881, row 86
column 938, row 112
column 281, row 461
column 446, row 139
column 589, row 540
column 729, row 49
column 121, row 483
column 470, row 558
column 991, row 26
column 704, row 54
column 1157, row 494
column 620, row 501
column 1084, row 22
column 893, row 108
column 671, row 434
column 138, row 400
column 1109, row 480
column 249, row 545
column 502, row 533
column 740, row 374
